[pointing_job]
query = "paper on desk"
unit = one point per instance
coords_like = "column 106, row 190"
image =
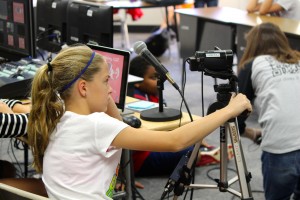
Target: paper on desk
column 141, row 105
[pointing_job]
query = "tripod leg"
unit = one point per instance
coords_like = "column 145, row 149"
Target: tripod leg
column 223, row 182
column 243, row 174
column 230, row 128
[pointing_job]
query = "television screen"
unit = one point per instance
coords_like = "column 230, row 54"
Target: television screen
column 118, row 63
column 17, row 38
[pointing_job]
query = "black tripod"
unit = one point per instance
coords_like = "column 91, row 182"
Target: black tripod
column 178, row 183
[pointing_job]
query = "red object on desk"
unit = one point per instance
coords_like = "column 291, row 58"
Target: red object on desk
column 136, row 13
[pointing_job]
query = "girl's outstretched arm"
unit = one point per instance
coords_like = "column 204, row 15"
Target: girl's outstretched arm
column 182, row 137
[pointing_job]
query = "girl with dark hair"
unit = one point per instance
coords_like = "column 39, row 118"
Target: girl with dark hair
column 269, row 74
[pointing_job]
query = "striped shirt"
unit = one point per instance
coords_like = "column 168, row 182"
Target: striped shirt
column 12, row 125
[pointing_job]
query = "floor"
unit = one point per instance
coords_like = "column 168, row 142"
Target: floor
column 194, row 92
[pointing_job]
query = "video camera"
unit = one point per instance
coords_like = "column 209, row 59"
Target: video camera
column 215, row 63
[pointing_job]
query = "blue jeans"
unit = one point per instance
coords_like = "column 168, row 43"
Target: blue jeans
column 281, row 175
column 209, row 3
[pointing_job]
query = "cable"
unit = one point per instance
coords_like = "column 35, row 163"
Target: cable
column 216, row 168
column 14, row 156
column 137, row 192
column 47, row 36
column 183, row 89
column 40, row 53
column 43, row 32
column 17, row 143
column 192, row 170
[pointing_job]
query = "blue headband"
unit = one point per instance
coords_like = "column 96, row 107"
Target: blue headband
column 80, row 74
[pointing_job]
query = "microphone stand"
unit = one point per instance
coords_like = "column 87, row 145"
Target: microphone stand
column 160, row 114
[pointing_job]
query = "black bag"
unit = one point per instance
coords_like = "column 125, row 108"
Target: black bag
column 158, row 42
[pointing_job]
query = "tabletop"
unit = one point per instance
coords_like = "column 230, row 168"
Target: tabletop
column 163, row 126
column 241, row 17
column 127, row 4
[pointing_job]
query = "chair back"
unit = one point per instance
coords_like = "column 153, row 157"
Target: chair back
column 12, row 193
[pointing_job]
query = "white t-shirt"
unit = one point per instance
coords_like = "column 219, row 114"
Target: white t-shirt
column 79, row 162
column 291, row 8
column 276, row 86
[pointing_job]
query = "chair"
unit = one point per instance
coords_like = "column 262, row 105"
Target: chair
column 31, row 188
column 22, row 189
column 120, row 19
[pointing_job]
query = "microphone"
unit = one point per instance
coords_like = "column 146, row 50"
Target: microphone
column 140, row 48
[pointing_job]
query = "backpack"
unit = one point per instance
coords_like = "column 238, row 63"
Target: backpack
column 158, row 42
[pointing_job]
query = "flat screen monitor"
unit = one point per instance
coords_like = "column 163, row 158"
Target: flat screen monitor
column 89, row 22
column 118, row 62
column 17, row 37
column 51, row 24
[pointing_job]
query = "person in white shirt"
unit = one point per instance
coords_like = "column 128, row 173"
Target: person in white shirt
column 269, row 74
column 283, row 8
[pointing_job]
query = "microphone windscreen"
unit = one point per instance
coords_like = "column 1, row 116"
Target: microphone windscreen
column 139, row 46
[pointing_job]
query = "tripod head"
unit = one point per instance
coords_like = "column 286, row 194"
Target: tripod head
column 215, row 63
column 224, row 93
column 231, row 86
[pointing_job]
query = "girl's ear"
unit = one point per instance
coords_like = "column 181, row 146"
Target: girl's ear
column 82, row 87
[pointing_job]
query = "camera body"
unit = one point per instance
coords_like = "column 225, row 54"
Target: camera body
column 215, row 63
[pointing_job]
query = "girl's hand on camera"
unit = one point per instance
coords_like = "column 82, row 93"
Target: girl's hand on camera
column 238, row 104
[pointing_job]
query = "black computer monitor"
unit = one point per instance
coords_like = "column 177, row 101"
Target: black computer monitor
column 118, row 61
column 17, row 37
column 89, row 22
column 51, row 24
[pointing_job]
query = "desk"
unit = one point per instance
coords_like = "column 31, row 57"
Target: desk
column 162, row 126
column 225, row 27
column 130, row 83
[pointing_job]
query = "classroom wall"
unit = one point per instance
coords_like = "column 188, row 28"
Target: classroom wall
column 154, row 16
